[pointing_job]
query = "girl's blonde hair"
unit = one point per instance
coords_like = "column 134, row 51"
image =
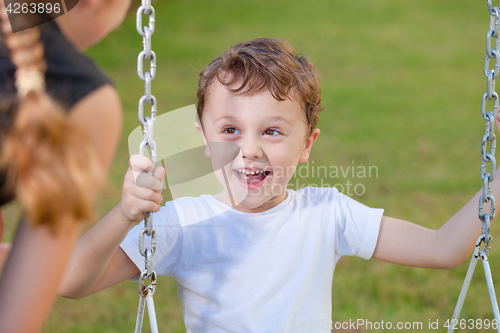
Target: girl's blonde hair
column 51, row 166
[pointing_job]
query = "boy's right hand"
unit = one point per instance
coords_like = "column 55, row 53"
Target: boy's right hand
column 141, row 191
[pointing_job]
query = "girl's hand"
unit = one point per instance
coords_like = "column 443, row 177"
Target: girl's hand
column 4, row 253
column 141, row 191
column 497, row 119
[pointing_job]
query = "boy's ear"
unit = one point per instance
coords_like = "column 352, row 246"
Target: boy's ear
column 198, row 127
column 304, row 156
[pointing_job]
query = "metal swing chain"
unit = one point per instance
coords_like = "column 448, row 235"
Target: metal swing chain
column 146, row 292
column 487, row 177
column 489, row 117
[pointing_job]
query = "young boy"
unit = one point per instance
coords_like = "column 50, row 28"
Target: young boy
column 262, row 257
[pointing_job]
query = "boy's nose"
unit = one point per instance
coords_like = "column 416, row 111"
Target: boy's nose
column 250, row 148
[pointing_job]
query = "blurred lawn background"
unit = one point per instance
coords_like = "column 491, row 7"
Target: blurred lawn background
column 402, row 84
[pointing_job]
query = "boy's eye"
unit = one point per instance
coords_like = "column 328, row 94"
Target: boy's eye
column 230, row 130
column 271, row 132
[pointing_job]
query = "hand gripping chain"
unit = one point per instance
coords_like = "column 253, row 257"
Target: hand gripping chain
column 487, row 178
column 146, row 291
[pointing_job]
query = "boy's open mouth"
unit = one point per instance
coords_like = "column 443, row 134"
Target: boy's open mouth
column 251, row 178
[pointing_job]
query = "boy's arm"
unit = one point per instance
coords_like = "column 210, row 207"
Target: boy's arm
column 404, row 243
column 408, row 244
column 97, row 261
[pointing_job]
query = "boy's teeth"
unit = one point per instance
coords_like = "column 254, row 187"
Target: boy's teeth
column 250, row 172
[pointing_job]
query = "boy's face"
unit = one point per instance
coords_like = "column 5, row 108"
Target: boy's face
column 272, row 136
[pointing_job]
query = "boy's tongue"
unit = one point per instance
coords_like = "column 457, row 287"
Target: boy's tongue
column 252, row 179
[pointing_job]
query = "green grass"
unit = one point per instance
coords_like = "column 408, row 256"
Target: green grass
column 402, row 83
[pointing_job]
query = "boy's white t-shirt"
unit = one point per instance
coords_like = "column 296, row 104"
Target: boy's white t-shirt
column 258, row 272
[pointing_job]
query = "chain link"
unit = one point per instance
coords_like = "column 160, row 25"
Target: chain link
column 145, row 9
column 489, row 117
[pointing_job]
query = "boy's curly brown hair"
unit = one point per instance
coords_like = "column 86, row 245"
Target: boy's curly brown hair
column 265, row 64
